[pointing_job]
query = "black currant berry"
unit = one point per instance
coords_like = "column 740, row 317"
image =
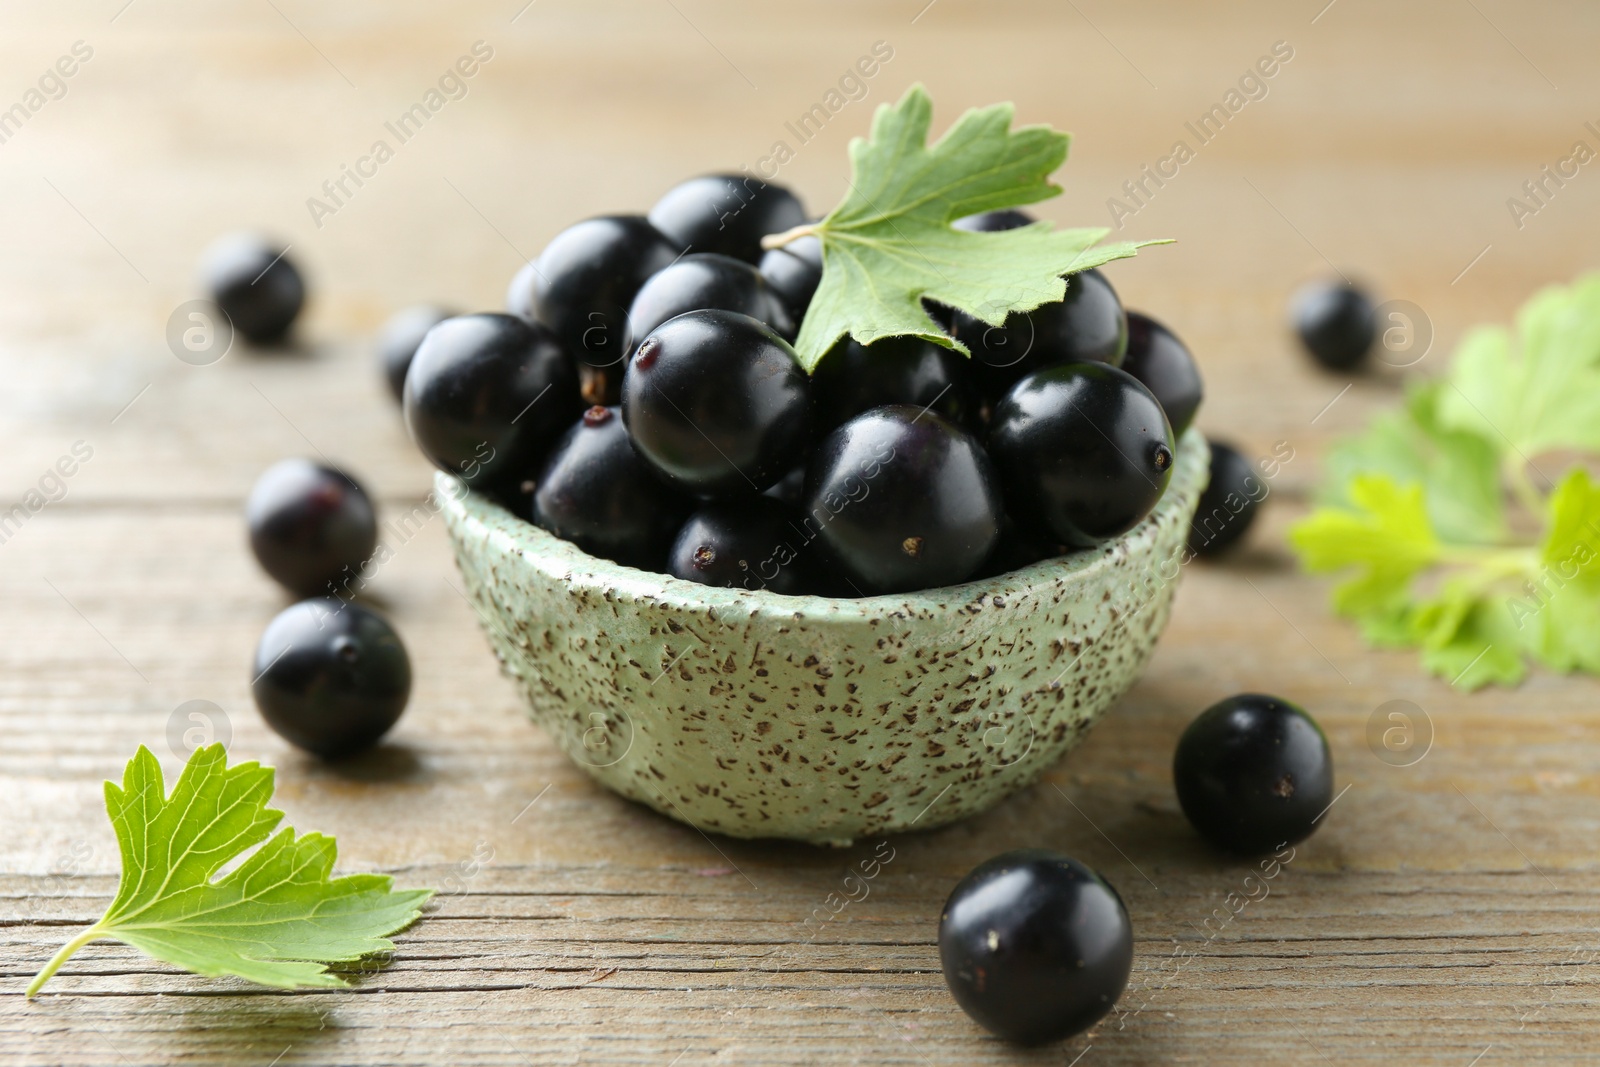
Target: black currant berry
column 1086, row 325
column 599, row 494
column 853, row 378
column 310, row 525
column 1336, row 322
column 994, row 221
column 585, row 279
column 1018, row 548
column 707, row 281
column 486, row 396
column 331, row 677
column 1083, row 451
column 727, row 213
column 1163, row 365
column 401, row 336
column 790, row 489
column 1253, row 773
column 1035, row 946
column 902, row 499
column 746, row 544
column 1228, row 506
column 255, row 284
column 718, row 402
column 522, row 294
column 794, row 272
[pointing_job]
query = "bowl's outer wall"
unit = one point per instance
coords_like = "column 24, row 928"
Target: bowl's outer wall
column 760, row 715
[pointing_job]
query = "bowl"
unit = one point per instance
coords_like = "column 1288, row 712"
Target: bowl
column 760, row 715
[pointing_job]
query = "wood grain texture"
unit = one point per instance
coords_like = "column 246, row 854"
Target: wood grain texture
column 1444, row 914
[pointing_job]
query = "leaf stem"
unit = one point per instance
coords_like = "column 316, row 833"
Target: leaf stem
column 1517, row 474
column 778, row 240
column 93, row 933
column 1500, row 562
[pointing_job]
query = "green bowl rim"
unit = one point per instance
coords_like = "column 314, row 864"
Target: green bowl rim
column 561, row 560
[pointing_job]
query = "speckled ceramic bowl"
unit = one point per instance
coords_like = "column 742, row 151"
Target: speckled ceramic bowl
column 761, row 715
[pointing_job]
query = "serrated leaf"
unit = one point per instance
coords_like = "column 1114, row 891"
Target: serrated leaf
column 1538, row 389
column 889, row 244
column 277, row 919
column 1385, row 533
column 1459, row 469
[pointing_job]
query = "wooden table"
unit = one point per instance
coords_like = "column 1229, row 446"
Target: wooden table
column 1446, row 911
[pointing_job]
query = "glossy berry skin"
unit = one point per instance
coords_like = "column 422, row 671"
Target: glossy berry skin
column 1164, row 365
column 718, row 403
column 255, row 284
column 1337, row 323
column 790, row 489
column 1086, row 325
column 853, row 378
column 794, row 272
column 585, row 279
column 331, row 677
column 487, row 395
column 311, row 526
column 994, row 221
column 745, row 544
column 1253, row 773
column 1035, row 946
column 902, row 499
column 599, row 494
column 707, row 282
column 1018, row 548
column 727, row 213
column 1083, row 450
column 1229, row 504
column 401, row 337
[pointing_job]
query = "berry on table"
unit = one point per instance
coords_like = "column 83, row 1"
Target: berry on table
column 309, row 525
column 727, row 213
column 902, row 499
column 1083, row 451
column 255, row 284
column 597, row 492
column 330, row 677
column 1164, row 365
column 1229, row 504
column 1035, row 946
column 487, row 395
column 1253, row 773
column 718, row 403
column 1336, row 322
column 401, row 336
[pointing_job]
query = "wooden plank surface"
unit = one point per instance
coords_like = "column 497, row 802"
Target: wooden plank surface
column 1446, row 912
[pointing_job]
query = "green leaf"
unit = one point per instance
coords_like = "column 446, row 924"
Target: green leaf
column 1385, row 533
column 277, row 919
column 1539, row 390
column 889, row 243
column 1417, row 505
column 1572, row 543
column 1468, row 638
column 1459, row 469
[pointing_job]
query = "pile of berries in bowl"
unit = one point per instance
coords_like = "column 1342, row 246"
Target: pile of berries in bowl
column 644, row 403
column 774, row 603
